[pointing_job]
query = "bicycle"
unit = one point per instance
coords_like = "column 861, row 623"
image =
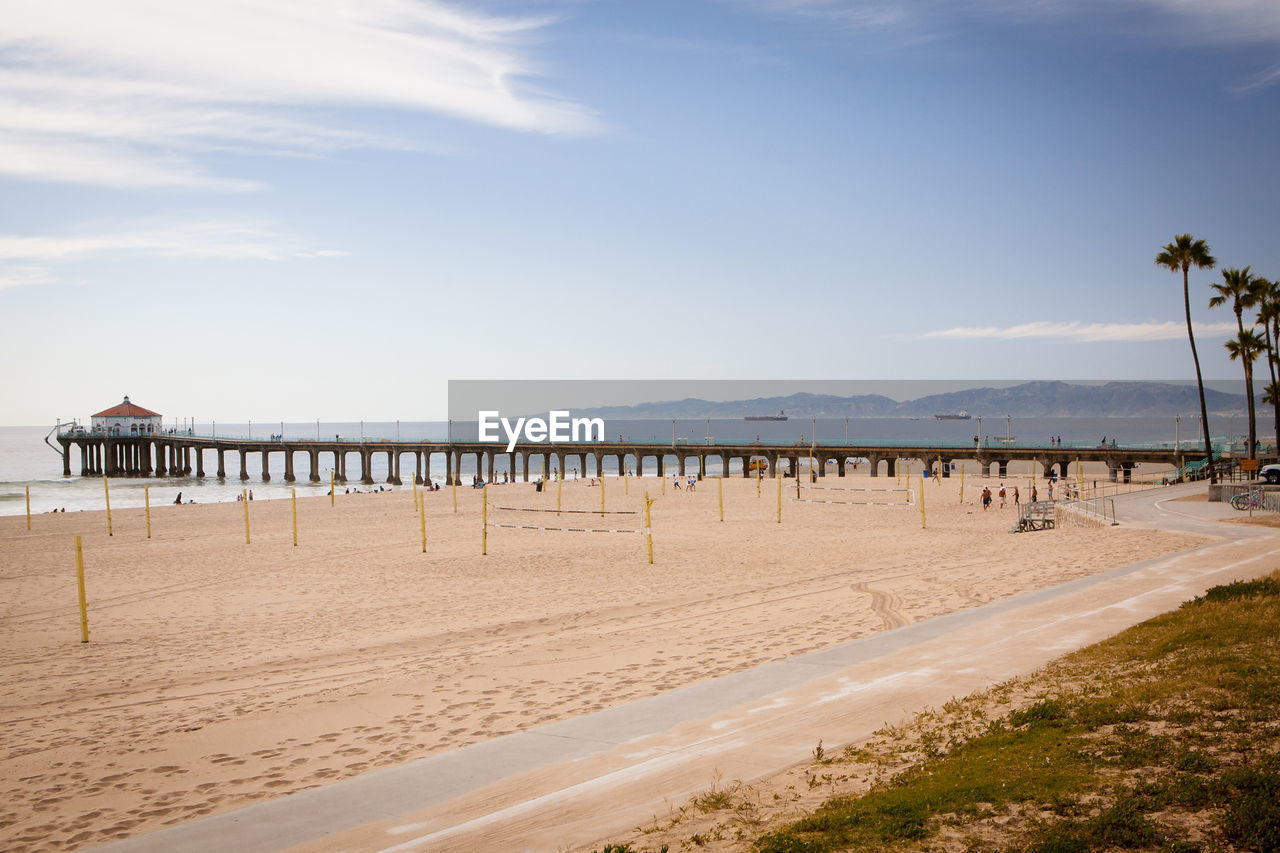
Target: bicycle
column 1247, row 500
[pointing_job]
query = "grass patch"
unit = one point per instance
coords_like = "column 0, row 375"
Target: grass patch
column 1269, row 586
column 1165, row 737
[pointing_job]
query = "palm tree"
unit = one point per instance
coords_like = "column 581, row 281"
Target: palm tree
column 1183, row 253
column 1269, row 317
column 1271, row 394
column 1246, row 347
column 1241, row 288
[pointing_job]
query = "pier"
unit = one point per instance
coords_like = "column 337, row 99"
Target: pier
column 185, row 455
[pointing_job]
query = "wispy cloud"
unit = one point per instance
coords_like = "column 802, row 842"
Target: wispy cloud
column 23, row 275
column 1219, row 21
column 26, row 260
column 1182, row 21
column 137, row 92
column 1250, row 21
column 869, row 14
column 1085, row 332
column 1262, row 80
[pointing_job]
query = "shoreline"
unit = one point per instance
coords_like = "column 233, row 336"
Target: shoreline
column 127, row 492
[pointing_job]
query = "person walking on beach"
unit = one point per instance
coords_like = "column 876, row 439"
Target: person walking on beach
column 1051, row 490
column 986, row 498
column 1002, row 495
column 1035, row 496
column 1016, row 499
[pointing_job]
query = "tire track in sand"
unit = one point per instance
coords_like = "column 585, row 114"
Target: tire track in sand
column 886, row 605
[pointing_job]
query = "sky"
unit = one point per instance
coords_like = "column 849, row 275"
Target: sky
column 290, row 209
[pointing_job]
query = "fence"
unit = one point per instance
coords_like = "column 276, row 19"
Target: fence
column 1269, row 500
column 1088, row 512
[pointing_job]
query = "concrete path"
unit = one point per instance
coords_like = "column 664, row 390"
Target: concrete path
column 572, row 782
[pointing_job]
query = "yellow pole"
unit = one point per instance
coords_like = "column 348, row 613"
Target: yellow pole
column 244, row 499
column 422, row 521
column 720, row 487
column 779, row 479
column 484, row 520
column 759, row 478
column 922, row 524
column 294, row 498
column 648, row 528
column 559, row 489
column 146, row 496
column 106, row 490
column 601, row 495
column 939, row 470
column 897, row 472
column 29, row 509
column 84, row 604
column 455, row 491
column 962, row 482
column 333, row 492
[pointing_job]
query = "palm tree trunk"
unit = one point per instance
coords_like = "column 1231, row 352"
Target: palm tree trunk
column 1195, row 357
column 1253, row 431
column 1248, row 387
column 1273, row 332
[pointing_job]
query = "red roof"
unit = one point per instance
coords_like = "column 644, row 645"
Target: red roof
column 126, row 410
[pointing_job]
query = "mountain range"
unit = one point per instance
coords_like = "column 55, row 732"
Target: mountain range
column 1039, row 399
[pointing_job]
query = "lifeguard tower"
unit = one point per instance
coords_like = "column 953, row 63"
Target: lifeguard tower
column 126, row 419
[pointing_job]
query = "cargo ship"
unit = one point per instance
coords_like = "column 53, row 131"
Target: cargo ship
column 961, row 415
column 781, row 416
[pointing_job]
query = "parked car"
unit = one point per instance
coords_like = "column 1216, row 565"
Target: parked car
column 1270, row 473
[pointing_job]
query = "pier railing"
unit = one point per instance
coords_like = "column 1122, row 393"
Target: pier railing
column 990, row 445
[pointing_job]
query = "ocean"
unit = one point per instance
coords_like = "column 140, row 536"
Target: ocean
column 27, row 462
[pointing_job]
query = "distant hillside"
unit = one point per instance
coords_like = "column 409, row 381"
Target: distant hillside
column 1047, row 399
column 1062, row 399
column 807, row 405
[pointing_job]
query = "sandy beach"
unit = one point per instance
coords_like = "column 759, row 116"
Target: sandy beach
column 221, row 673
